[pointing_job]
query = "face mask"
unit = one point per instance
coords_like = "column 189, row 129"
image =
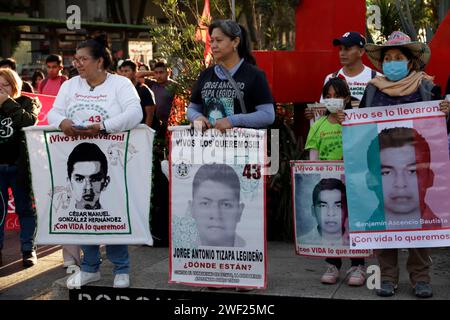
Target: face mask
column 395, row 70
column 334, row 104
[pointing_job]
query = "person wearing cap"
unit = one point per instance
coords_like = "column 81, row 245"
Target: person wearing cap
column 354, row 72
column 351, row 50
column 402, row 62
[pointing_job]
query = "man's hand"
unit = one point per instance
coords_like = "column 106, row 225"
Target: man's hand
column 309, row 114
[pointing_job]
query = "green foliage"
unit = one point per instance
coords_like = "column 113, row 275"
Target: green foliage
column 176, row 43
column 418, row 19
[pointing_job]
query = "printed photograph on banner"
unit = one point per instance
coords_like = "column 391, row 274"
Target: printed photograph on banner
column 217, row 213
column 397, row 172
column 320, row 210
column 318, row 109
column 89, row 192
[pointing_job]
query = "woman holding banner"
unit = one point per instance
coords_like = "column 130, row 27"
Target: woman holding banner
column 234, row 82
column 402, row 62
column 16, row 112
column 97, row 102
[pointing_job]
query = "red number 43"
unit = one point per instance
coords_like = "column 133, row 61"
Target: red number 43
column 95, row 119
column 252, row 171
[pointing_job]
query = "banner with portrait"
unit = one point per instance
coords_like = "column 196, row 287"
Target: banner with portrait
column 91, row 190
column 320, row 210
column 217, row 208
column 398, row 176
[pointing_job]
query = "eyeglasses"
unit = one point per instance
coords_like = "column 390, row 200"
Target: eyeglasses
column 80, row 61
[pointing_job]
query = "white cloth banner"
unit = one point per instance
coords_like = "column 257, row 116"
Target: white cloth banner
column 218, row 208
column 91, row 190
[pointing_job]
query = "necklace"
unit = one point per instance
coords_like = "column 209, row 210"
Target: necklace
column 93, row 87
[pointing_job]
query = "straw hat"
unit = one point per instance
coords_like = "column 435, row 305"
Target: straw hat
column 420, row 50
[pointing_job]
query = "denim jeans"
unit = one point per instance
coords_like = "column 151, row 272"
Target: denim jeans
column 117, row 254
column 24, row 207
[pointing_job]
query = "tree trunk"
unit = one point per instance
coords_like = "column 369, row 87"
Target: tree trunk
column 406, row 19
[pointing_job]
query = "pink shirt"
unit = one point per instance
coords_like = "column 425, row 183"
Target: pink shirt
column 51, row 86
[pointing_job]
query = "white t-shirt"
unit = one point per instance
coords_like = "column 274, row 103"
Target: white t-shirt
column 357, row 84
column 115, row 102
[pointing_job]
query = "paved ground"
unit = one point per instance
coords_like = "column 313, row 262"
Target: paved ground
column 288, row 275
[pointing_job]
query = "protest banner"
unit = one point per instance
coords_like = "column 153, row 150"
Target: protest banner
column 46, row 104
column 397, row 176
column 91, row 190
column 318, row 110
column 320, row 210
column 217, row 208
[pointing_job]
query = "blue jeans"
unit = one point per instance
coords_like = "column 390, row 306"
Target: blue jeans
column 24, row 207
column 117, row 254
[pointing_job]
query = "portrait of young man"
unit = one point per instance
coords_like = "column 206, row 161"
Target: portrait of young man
column 406, row 175
column 87, row 174
column 216, row 206
column 329, row 209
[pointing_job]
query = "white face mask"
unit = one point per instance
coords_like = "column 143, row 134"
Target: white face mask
column 334, row 104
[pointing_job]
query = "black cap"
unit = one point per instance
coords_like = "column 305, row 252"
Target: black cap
column 350, row 39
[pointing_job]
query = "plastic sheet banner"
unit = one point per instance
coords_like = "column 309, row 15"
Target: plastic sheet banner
column 398, row 176
column 320, row 210
column 91, row 190
column 217, row 205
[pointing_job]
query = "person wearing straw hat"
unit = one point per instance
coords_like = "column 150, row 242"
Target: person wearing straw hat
column 401, row 61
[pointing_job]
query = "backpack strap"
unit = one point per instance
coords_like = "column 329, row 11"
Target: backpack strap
column 374, row 74
column 235, row 87
column 370, row 93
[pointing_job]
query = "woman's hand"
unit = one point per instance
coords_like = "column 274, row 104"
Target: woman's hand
column 444, row 106
column 223, row 124
column 91, row 130
column 202, row 122
column 67, row 127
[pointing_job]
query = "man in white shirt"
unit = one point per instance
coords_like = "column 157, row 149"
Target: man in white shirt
column 356, row 74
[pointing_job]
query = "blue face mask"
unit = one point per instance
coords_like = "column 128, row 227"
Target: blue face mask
column 395, row 70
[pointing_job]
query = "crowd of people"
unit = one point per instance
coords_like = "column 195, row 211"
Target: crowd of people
column 135, row 94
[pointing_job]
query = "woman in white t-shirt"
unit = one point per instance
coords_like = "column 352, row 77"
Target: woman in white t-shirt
column 97, row 102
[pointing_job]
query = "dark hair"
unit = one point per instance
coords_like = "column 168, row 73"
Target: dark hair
column 98, row 47
column 145, row 66
column 129, row 63
column 331, row 184
column 54, row 58
column 415, row 63
column 87, row 152
column 161, row 64
column 396, row 138
column 234, row 30
column 341, row 88
column 8, row 62
column 222, row 173
column 36, row 74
